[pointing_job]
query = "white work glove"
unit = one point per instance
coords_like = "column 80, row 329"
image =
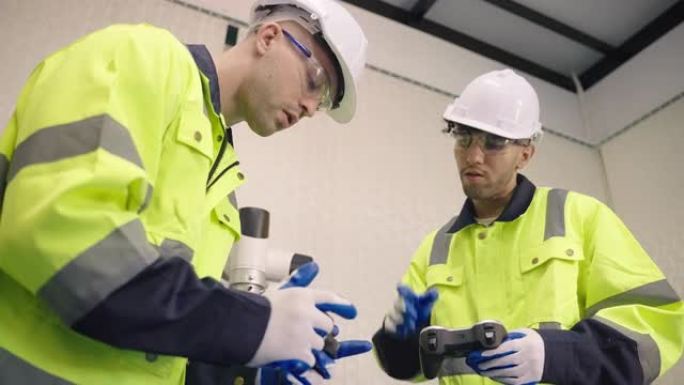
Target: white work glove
column 298, row 323
column 519, row 360
column 410, row 312
column 281, row 373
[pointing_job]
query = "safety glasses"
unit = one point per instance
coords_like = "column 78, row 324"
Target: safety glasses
column 489, row 143
column 318, row 83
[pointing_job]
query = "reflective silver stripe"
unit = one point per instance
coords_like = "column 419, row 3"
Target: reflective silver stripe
column 652, row 294
column 14, row 370
column 172, row 248
column 555, row 214
column 4, row 168
column 441, row 243
column 233, row 199
column 649, row 353
column 550, row 326
column 68, row 140
column 93, row 275
column 455, row 367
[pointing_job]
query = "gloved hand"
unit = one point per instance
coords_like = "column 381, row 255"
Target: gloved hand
column 271, row 375
column 298, row 324
column 519, row 360
column 274, row 375
column 410, row 312
column 277, row 374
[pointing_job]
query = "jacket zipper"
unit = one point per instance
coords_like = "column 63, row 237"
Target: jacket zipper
column 222, row 150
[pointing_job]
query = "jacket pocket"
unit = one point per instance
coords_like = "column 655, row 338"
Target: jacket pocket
column 554, row 249
column 550, row 274
column 229, row 217
column 448, row 311
column 195, row 132
column 443, row 275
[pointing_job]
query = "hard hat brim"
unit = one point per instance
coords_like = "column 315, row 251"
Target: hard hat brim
column 347, row 108
column 489, row 128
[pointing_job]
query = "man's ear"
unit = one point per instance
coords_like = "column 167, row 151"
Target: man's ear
column 525, row 156
column 266, row 36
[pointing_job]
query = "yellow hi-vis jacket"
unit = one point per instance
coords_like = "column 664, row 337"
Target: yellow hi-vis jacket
column 104, row 168
column 550, row 261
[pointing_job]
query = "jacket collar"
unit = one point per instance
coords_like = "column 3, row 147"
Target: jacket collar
column 520, row 201
column 205, row 64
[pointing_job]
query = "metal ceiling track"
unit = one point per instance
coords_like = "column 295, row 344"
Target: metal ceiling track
column 417, row 21
column 662, row 24
column 613, row 56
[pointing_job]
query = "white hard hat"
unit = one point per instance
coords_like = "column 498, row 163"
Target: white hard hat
column 341, row 33
column 499, row 102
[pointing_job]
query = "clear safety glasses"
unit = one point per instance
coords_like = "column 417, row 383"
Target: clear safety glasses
column 318, row 82
column 489, row 143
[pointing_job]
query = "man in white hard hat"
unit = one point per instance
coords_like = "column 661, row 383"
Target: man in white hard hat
column 583, row 303
column 118, row 213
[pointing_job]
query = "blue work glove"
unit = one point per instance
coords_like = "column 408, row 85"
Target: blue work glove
column 273, row 375
column 279, row 374
column 519, row 360
column 410, row 313
column 299, row 322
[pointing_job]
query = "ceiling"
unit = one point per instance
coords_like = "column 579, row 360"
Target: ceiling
column 554, row 40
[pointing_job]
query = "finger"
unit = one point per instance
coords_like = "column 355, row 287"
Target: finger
column 302, row 277
column 505, row 361
column 428, row 298
column 322, row 323
column 406, row 293
column 346, row 311
column 353, row 347
column 310, row 361
column 322, row 362
column 316, row 342
column 409, row 326
column 294, row 366
column 297, row 379
column 478, row 361
column 505, row 347
column 389, row 324
column 330, row 302
column 407, row 310
column 515, row 335
column 474, row 359
column 502, row 375
column 315, row 378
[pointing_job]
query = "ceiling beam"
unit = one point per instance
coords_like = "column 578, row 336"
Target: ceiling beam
column 485, row 49
column 421, row 8
column 552, row 24
column 662, row 24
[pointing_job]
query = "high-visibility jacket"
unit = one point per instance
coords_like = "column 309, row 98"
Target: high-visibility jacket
column 555, row 261
column 114, row 157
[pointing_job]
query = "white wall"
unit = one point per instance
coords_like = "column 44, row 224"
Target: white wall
column 644, row 168
column 645, row 82
column 645, row 174
column 643, row 164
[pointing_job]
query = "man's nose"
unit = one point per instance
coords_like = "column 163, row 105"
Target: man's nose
column 475, row 152
column 309, row 105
